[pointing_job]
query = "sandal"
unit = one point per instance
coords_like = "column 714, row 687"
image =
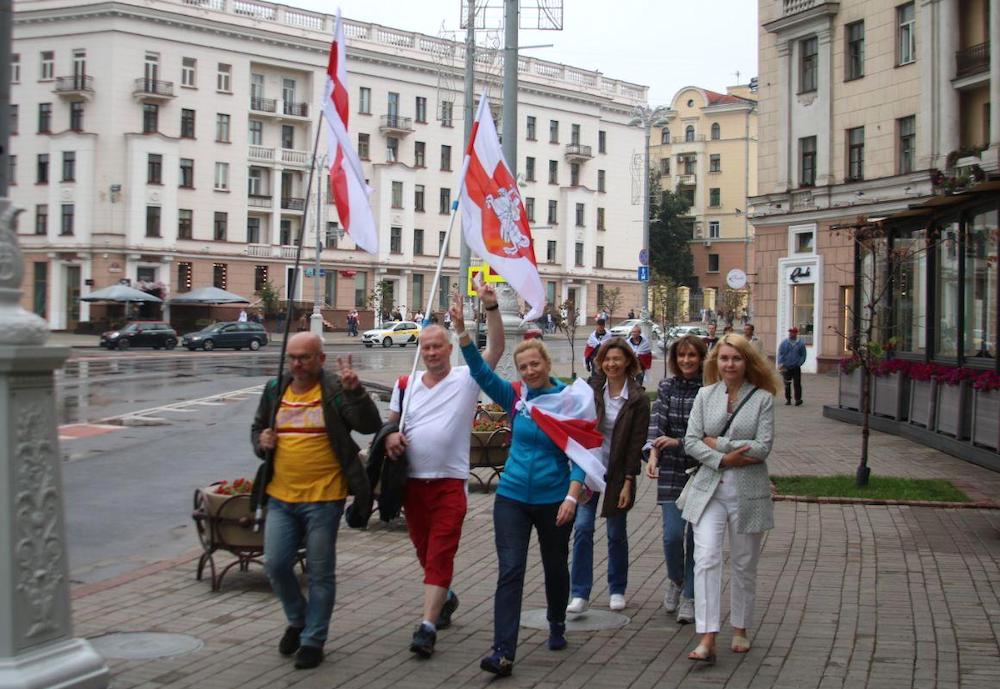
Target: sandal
column 702, row 655
column 740, row 644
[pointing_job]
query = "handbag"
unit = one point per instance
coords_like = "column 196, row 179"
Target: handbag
column 682, row 498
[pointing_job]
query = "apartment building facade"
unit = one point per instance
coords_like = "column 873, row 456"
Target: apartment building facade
column 707, row 152
column 169, row 143
column 861, row 102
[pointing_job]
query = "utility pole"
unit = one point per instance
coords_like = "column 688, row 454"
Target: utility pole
column 510, row 84
column 465, row 254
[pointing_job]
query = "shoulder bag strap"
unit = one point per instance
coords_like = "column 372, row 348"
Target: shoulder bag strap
column 737, row 411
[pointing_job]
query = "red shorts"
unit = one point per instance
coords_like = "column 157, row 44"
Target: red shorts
column 435, row 509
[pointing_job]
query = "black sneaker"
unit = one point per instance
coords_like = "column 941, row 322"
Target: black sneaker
column 557, row 636
column 447, row 610
column 788, row 403
column 798, row 403
column 423, row 641
column 497, row 663
column 308, row 657
column 289, row 643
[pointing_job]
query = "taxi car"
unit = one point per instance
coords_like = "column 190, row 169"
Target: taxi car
column 399, row 333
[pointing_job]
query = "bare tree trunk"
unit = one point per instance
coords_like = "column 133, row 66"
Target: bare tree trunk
column 863, row 472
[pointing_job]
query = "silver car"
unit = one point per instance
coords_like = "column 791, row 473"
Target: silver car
column 679, row 331
column 624, row 328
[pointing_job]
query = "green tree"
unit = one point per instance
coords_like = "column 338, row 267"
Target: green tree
column 669, row 232
column 269, row 298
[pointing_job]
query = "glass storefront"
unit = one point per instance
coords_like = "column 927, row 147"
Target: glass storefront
column 946, row 292
column 909, row 294
column 803, row 302
column 981, row 265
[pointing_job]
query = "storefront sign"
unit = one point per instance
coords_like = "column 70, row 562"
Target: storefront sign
column 800, row 274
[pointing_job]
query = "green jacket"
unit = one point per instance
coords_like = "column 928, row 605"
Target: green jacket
column 343, row 411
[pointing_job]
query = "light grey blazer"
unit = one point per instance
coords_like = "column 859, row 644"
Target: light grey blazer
column 754, row 426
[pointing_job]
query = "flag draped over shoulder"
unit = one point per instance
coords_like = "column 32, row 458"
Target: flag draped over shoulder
column 494, row 221
column 569, row 419
column 347, row 178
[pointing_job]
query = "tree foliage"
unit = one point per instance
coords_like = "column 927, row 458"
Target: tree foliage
column 612, row 300
column 269, row 298
column 669, row 232
column 566, row 317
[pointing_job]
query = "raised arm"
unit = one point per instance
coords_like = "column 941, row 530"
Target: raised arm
column 499, row 390
column 494, row 324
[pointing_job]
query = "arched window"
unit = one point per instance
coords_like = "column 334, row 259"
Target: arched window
column 689, row 133
column 665, row 135
column 716, row 131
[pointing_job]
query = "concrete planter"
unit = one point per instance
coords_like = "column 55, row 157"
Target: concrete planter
column 953, row 406
column 890, row 396
column 921, row 408
column 849, row 396
column 986, row 418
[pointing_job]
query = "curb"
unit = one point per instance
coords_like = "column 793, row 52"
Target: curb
column 84, row 590
column 981, row 505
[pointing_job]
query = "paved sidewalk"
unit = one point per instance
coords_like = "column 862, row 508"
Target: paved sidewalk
column 848, row 596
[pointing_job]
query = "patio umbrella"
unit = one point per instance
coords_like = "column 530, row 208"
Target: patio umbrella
column 120, row 293
column 209, row 295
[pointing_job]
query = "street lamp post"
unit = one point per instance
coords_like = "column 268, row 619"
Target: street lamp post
column 647, row 117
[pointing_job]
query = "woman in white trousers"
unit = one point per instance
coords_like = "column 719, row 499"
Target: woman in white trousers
column 730, row 433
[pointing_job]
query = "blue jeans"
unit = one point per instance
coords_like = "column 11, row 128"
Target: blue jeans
column 288, row 524
column 678, row 551
column 582, row 574
column 512, row 524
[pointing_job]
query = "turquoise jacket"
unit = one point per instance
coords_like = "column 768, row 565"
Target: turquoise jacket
column 536, row 472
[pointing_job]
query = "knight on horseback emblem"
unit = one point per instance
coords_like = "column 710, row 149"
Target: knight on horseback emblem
column 507, row 208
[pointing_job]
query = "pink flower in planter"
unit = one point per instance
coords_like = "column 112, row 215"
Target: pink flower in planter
column 986, row 381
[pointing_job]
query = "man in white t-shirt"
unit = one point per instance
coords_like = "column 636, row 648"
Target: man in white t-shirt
column 435, row 439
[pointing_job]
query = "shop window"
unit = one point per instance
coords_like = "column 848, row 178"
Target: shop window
column 909, row 291
column 802, row 311
column 946, row 295
column 981, row 308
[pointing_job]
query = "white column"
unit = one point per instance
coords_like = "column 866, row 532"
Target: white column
column 86, row 273
column 947, row 25
column 57, row 292
column 824, row 105
column 928, row 155
column 785, row 153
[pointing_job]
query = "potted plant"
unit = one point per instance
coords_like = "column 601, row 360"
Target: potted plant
column 890, row 389
column 954, row 399
column 849, row 395
column 922, row 397
column 494, row 412
column 227, row 511
column 986, row 409
column 489, row 442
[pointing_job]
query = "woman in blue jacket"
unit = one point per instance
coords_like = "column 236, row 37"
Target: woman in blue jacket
column 538, row 489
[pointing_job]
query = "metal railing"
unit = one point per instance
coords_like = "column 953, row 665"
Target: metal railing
column 579, row 151
column 263, row 104
column 396, row 122
column 257, row 201
column 296, row 109
column 76, row 82
column 293, row 203
column 972, row 60
column 154, row 87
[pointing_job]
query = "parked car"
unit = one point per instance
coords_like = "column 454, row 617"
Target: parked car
column 399, row 333
column 679, row 331
column 234, row 334
column 155, row 334
column 624, row 328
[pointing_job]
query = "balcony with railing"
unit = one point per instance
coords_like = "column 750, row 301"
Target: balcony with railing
column 578, row 153
column 394, row 124
column 289, row 251
column 972, row 60
column 259, row 201
column 292, row 157
column 687, row 180
column 260, row 154
column 75, row 86
column 295, row 109
column 268, row 105
column 153, row 89
column 795, row 6
column 259, row 250
column 292, row 203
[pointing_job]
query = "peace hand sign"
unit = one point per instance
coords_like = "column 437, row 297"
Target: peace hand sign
column 457, row 311
column 348, row 378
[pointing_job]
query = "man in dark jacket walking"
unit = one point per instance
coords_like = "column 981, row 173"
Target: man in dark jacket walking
column 310, row 465
column 791, row 356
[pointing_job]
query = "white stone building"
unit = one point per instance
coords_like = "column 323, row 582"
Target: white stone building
column 169, row 141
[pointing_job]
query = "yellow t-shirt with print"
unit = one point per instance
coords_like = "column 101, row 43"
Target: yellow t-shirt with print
column 305, row 466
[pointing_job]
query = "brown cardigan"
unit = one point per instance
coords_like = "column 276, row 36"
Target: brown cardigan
column 627, row 439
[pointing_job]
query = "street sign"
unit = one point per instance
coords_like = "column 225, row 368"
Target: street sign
column 736, row 278
column 643, row 257
column 643, row 273
column 310, row 272
column 484, row 271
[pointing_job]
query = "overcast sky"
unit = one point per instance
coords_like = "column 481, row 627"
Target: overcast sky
column 665, row 44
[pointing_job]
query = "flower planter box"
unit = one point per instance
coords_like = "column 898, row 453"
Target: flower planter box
column 488, row 450
column 231, row 521
column 986, row 418
column 921, row 408
column 849, row 396
column 953, row 406
column 890, row 396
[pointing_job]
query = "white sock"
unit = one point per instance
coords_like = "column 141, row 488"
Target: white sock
column 429, row 625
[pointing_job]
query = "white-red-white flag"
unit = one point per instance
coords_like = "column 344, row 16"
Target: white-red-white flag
column 494, row 221
column 347, row 178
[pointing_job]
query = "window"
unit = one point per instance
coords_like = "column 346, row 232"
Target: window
column 41, row 288
column 44, row 118
column 15, row 68
column 75, row 116
column 187, row 123
column 285, row 232
column 803, row 299
column 419, row 154
column 855, row 154
column 365, row 101
column 188, row 66
column 333, row 234
column 223, row 78
column 447, row 107
column 47, row 66
column 220, row 226
column 288, row 136
column 808, row 64
column 713, row 229
column 664, row 166
column 391, row 149
column 689, row 133
column 574, row 174
column 418, row 242
column 602, row 180
column 715, row 197
column 550, row 292
column 444, row 287
column 550, row 251
column 713, row 263
column 222, row 176
column 444, row 201
column 68, row 212
column 360, row 289
column 980, row 302
column 665, row 135
column 42, row 219
column 689, row 163
column 804, row 242
column 69, row 166
column 600, row 219
column 446, row 158
column 906, row 34
column 529, row 208
column 150, row 118
column 716, row 131
column 529, row 169
column 553, row 172
column 553, row 213
column 421, row 110
column 602, row 141
column 185, row 224
column 364, row 141
column 12, row 169
column 532, row 128
column 907, row 127
column 260, row 275
column 715, row 162
column 418, row 198
column 152, row 221
column 395, row 240
column 578, row 255
column 42, row 169
column 255, row 182
column 854, row 54
column 222, row 128
column 580, row 212
column 397, row 194
column 187, row 173
column 599, row 258
column 574, row 134
column 553, row 131
column 442, row 247
column 13, row 118
column 807, row 161
column 220, row 275
column 256, row 132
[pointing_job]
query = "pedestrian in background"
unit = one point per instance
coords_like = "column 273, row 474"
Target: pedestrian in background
column 755, row 342
column 594, row 342
column 643, row 352
column 791, row 356
column 730, row 433
column 669, row 463
column 712, row 337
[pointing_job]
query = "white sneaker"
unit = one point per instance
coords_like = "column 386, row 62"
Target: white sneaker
column 577, row 606
column 671, row 597
column 685, row 611
column 617, row 601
